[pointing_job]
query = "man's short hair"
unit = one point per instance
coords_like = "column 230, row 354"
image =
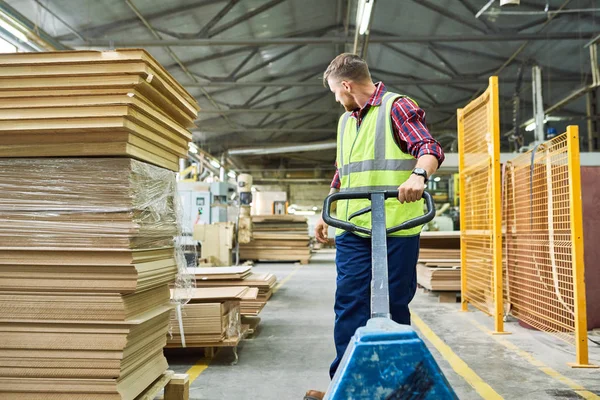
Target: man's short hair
column 347, row 66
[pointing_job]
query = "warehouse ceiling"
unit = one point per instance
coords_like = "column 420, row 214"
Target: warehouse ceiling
column 258, row 78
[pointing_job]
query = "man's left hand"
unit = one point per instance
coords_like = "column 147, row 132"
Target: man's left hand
column 411, row 190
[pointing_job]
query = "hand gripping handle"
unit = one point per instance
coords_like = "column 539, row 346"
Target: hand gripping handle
column 350, row 227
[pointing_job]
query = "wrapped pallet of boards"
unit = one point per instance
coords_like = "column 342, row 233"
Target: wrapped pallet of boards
column 87, row 245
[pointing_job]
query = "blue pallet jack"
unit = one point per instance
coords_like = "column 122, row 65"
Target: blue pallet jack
column 384, row 360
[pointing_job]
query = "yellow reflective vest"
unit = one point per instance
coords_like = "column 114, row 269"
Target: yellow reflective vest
column 369, row 159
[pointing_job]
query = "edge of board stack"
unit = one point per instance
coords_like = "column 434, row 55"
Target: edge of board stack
column 223, row 297
column 87, row 243
column 278, row 238
column 93, row 103
column 439, row 261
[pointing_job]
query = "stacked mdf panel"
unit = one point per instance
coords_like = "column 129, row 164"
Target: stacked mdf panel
column 92, row 103
column 439, row 261
column 86, row 259
column 86, row 243
column 278, row 238
column 265, row 283
column 210, row 319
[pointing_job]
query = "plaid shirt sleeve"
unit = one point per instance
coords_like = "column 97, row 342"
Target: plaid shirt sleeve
column 410, row 131
column 335, row 183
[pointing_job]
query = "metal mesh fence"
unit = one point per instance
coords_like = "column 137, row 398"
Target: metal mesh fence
column 543, row 253
column 480, row 204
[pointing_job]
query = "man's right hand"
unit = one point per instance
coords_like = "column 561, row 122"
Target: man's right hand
column 321, row 231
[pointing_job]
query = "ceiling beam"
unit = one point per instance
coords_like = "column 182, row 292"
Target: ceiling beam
column 269, row 61
column 562, row 74
column 244, row 18
column 328, row 41
column 215, row 56
column 443, row 59
column 405, row 82
column 418, row 60
column 473, row 10
column 177, row 60
column 127, row 22
column 233, row 74
column 215, row 20
column 221, row 54
column 448, row 14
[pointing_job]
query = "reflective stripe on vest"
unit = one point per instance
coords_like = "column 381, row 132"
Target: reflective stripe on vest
column 369, row 159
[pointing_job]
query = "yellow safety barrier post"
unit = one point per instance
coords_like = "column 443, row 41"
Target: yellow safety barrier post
column 480, row 205
column 581, row 340
column 464, row 303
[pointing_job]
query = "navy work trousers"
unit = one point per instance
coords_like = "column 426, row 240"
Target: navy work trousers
column 353, row 293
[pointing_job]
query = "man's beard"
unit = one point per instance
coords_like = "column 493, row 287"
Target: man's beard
column 350, row 107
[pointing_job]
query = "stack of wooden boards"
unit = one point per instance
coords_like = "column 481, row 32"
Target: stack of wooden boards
column 92, row 103
column 278, row 238
column 439, row 261
column 211, row 318
column 239, row 276
column 86, row 244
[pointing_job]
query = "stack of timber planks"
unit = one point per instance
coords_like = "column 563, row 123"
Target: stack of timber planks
column 278, row 238
column 86, row 244
column 92, row 103
column 264, row 283
column 211, row 318
column 439, row 261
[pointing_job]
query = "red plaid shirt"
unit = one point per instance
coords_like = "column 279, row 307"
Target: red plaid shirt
column 410, row 132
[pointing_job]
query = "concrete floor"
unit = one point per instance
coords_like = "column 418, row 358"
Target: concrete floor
column 292, row 350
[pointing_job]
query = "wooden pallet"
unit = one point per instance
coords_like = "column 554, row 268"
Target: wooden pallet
column 450, row 296
column 176, row 387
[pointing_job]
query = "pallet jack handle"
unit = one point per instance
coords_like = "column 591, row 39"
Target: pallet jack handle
column 350, row 227
column 380, row 303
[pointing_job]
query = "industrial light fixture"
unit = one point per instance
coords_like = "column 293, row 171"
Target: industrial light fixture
column 437, row 179
column 363, row 15
column 231, row 174
column 215, row 164
column 530, row 127
column 13, row 31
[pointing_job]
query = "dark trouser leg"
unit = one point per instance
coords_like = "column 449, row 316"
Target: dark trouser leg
column 353, row 293
column 352, row 296
column 403, row 253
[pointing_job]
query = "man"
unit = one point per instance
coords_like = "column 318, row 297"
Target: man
column 383, row 144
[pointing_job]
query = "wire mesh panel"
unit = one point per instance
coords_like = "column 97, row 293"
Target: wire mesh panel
column 544, row 240
column 480, row 204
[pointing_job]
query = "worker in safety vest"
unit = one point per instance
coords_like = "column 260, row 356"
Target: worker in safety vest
column 382, row 144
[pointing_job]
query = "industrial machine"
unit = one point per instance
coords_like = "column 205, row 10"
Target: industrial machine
column 204, row 203
column 384, row 360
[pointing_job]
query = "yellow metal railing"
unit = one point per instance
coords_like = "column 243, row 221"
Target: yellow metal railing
column 543, row 254
column 480, row 204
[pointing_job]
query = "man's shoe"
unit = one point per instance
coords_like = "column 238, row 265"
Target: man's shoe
column 314, row 395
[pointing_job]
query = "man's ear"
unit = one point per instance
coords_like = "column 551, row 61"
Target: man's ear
column 346, row 86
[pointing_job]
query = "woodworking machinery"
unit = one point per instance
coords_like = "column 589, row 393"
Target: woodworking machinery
column 384, row 360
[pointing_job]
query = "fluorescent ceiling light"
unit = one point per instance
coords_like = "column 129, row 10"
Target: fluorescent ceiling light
column 13, row 31
column 437, row 179
column 363, row 15
column 530, row 127
column 192, row 148
column 215, row 164
column 231, row 174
